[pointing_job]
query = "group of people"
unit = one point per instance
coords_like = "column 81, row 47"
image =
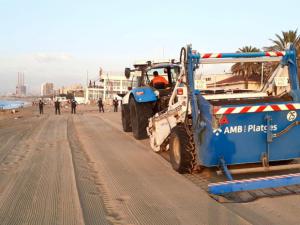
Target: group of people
column 101, row 106
column 57, row 106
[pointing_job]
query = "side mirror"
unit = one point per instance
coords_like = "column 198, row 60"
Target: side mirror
column 127, row 73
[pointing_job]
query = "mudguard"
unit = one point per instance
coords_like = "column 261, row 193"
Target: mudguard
column 144, row 94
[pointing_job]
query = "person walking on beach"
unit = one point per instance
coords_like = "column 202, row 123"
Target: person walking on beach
column 100, row 105
column 57, row 107
column 116, row 104
column 41, row 106
column 73, row 106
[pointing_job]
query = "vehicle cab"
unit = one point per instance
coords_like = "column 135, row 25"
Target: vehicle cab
column 145, row 99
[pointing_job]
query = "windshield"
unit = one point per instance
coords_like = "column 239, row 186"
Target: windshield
column 162, row 72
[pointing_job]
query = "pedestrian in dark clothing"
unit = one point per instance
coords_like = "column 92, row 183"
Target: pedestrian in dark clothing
column 116, row 104
column 73, row 106
column 57, row 107
column 100, row 105
column 41, row 107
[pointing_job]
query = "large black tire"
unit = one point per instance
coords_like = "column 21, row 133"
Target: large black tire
column 126, row 123
column 139, row 116
column 182, row 151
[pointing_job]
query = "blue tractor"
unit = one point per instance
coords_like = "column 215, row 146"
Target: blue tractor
column 144, row 99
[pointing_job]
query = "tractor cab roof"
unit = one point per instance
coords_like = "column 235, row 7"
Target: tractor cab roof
column 165, row 65
column 155, row 63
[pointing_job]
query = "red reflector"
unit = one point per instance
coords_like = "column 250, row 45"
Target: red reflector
column 179, row 91
column 223, row 120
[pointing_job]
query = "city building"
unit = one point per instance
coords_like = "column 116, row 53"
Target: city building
column 47, row 89
column 108, row 88
column 75, row 91
column 70, row 89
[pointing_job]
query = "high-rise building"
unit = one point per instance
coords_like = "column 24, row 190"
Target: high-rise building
column 47, row 89
column 21, row 88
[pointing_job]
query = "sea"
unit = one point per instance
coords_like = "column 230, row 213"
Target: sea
column 5, row 104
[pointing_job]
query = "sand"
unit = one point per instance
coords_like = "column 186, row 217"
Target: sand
column 38, row 176
column 82, row 169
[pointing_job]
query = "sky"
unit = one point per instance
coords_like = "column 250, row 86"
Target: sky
column 60, row 41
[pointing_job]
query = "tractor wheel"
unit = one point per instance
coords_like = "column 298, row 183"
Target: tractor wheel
column 182, row 151
column 139, row 116
column 126, row 123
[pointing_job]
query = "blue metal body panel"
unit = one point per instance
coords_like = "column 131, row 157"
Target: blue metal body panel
column 144, row 94
column 244, row 138
column 291, row 60
column 253, row 184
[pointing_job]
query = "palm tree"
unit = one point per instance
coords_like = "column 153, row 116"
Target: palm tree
column 281, row 43
column 246, row 69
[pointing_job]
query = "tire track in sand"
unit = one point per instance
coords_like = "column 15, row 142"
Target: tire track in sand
column 91, row 195
column 13, row 134
column 14, row 150
column 43, row 187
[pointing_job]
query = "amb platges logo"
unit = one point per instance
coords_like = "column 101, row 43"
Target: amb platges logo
column 217, row 132
column 251, row 128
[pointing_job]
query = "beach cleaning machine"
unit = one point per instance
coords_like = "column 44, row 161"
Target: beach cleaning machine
column 217, row 128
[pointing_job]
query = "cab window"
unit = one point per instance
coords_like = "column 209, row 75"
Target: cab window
column 161, row 72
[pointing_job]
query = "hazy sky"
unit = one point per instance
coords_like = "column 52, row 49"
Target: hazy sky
column 58, row 41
